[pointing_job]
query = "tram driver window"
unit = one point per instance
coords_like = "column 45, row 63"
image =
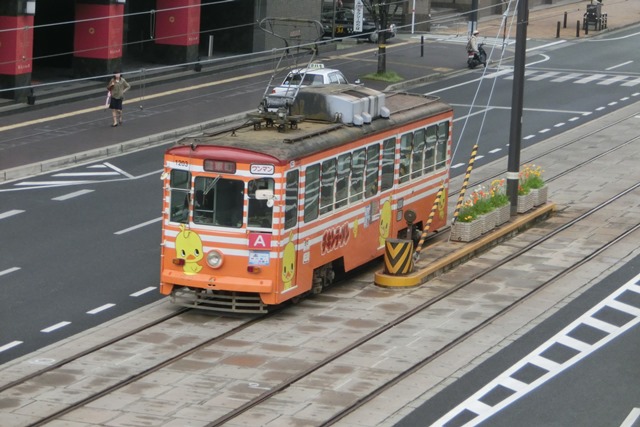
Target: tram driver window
column 260, row 214
column 179, row 205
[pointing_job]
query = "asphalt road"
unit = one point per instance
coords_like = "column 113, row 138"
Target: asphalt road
column 77, row 243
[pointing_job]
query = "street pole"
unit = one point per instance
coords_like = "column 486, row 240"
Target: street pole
column 473, row 17
column 515, row 133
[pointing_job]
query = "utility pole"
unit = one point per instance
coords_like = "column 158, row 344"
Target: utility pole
column 515, row 133
column 473, row 17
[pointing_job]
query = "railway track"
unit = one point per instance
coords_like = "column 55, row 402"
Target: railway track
column 279, row 358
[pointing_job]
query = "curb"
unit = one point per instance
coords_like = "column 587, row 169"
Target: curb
column 457, row 256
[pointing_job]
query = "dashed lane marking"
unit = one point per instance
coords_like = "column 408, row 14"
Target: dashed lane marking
column 10, row 345
column 55, row 327
column 13, row 212
column 9, row 270
column 72, row 195
column 101, row 308
column 143, row 291
column 135, row 227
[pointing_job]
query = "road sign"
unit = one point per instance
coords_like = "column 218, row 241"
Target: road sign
column 358, row 16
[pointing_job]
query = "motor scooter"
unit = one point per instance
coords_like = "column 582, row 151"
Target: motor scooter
column 473, row 59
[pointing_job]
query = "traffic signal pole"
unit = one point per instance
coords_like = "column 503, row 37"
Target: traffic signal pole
column 517, row 101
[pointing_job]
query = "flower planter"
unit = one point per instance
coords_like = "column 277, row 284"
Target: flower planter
column 466, row 231
column 539, row 195
column 504, row 214
column 489, row 221
column 525, row 203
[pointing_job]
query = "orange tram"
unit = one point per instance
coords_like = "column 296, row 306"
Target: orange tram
column 255, row 214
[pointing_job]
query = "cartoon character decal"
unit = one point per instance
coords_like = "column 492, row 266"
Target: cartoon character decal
column 289, row 263
column 189, row 248
column 441, row 203
column 385, row 221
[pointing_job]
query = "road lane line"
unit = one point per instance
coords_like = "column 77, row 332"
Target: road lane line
column 72, row 195
column 143, row 291
column 87, row 174
column 9, row 270
column 619, row 65
column 118, row 170
column 101, row 308
column 13, row 212
column 10, row 345
column 135, row 227
column 631, row 419
column 56, row 326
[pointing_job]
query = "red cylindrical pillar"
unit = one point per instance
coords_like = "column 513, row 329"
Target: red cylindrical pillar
column 98, row 35
column 16, row 49
column 177, row 33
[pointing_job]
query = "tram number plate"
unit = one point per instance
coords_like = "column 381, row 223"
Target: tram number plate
column 258, row 258
column 262, row 169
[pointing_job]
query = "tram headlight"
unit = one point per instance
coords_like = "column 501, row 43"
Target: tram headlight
column 214, row 259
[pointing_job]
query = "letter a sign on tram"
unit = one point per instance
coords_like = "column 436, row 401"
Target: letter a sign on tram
column 358, row 16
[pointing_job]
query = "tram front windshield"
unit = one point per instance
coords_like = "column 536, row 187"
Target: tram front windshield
column 218, row 201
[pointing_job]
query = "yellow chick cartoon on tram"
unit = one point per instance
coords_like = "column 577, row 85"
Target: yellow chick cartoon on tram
column 385, row 221
column 288, row 263
column 189, row 248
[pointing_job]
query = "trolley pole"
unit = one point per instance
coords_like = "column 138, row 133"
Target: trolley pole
column 423, row 237
column 515, row 134
column 465, row 183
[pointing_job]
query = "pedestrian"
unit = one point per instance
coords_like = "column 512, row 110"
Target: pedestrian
column 117, row 87
column 472, row 45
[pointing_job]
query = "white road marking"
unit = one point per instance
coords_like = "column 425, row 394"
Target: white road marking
column 56, row 326
column 557, row 125
column 631, row 419
column 544, row 76
column 101, row 308
column 7, row 214
column 612, row 80
column 529, row 137
column 10, row 345
column 495, row 150
column 72, row 195
column 135, row 227
column 63, row 174
column 618, row 66
column 38, row 184
column 120, row 171
column 9, row 270
column 143, row 291
column 590, row 78
column 544, row 130
column 631, row 82
column 600, row 108
column 483, row 412
column 566, row 77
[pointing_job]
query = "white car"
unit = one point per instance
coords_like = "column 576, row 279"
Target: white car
column 315, row 75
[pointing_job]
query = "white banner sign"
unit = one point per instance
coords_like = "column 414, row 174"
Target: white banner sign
column 358, row 16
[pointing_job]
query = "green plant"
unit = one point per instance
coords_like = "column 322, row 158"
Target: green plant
column 467, row 213
column 498, row 193
column 481, row 201
column 531, row 177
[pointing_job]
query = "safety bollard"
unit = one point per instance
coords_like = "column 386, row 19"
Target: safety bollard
column 565, row 20
column 398, row 256
column 578, row 29
column 586, row 27
column 558, row 31
column 421, row 46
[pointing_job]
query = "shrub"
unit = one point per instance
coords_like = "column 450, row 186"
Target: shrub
column 498, row 193
column 531, row 177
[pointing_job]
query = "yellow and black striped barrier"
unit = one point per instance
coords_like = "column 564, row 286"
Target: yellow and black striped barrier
column 465, row 183
column 398, row 256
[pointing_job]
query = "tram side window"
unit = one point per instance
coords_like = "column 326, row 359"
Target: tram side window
column 327, row 188
column 218, row 201
column 418, row 153
column 406, row 142
column 357, row 175
column 373, row 165
column 259, row 212
column 430, row 149
column 441, row 149
column 179, row 205
column 311, row 193
column 342, row 181
column 388, row 158
column 291, row 199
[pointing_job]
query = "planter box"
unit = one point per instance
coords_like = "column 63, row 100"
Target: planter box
column 489, row 221
column 466, row 231
column 525, row 203
column 539, row 195
column 504, row 214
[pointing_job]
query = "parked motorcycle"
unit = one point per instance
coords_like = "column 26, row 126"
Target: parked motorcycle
column 475, row 59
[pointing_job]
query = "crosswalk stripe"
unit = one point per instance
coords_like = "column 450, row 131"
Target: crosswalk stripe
column 567, row 77
column 544, row 76
column 632, row 82
column 590, row 78
column 612, row 80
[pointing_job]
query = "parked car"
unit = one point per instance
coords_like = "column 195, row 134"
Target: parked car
column 344, row 26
